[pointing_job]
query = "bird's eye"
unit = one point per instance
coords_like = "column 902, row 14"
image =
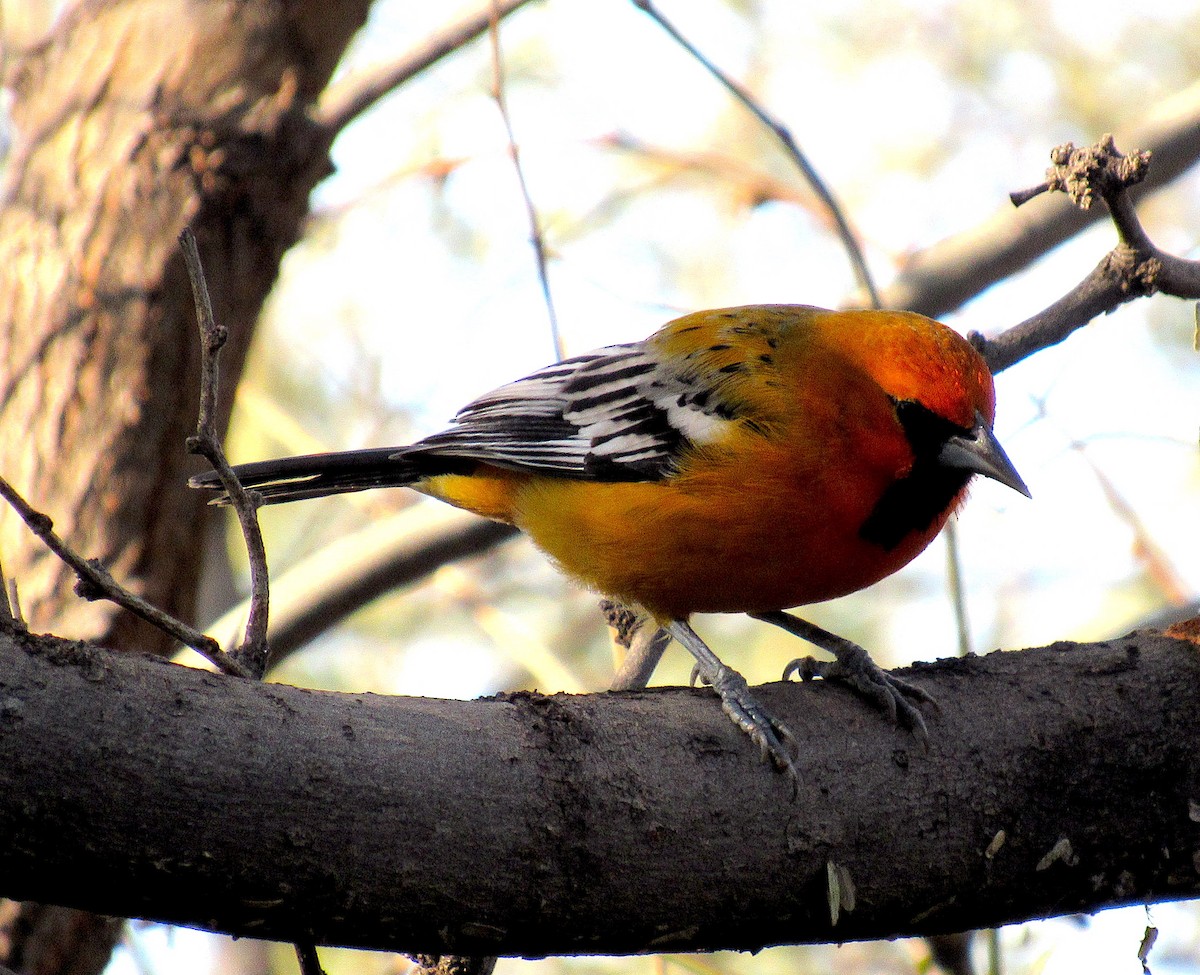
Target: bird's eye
column 926, row 431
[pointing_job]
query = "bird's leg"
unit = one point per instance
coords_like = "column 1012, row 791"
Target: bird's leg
column 769, row 733
column 854, row 666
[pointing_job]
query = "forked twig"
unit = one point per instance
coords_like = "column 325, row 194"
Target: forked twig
column 1134, row 268
column 254, row 650
column 206, row 442
column 96, row 582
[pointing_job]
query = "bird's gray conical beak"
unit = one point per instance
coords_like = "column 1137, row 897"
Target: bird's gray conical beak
column 979, row 451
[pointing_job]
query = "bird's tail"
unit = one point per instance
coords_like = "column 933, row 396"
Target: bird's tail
column 317, row 475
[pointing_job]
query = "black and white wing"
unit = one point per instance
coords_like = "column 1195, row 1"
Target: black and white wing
column 617, row 414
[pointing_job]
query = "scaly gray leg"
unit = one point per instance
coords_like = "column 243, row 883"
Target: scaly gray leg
column 769, row 733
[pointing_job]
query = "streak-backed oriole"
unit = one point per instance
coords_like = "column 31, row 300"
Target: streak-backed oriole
column 744, row 459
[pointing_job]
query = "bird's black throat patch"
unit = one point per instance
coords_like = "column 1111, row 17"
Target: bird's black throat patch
column 913, row 502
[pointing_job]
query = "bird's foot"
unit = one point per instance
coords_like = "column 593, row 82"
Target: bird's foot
column 854, row 666
column 773, row 738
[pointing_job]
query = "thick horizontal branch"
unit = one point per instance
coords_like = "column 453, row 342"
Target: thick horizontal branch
column 1059, row 780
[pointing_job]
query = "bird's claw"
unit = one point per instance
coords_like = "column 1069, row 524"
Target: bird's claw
column 774, row 740
column 768, row 733
column 891, row 694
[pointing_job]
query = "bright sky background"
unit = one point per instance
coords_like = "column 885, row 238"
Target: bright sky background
column 416, row 294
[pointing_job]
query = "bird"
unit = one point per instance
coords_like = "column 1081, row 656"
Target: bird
column 751, row 460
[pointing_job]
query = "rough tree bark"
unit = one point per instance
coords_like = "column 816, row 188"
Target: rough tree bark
column 1058, row 780
column 98, row 359
column 135, row 118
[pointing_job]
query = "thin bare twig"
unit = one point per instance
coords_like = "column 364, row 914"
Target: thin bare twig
column 1089, row 173
column 254, row 651
column 206, row 442
column 306, row 956
column 10, row 605
column 95, row 582
column 342, row 103
column 957, row 588
column 535, row 229
column 13, row 593
column 1134, row 268
column 793, row 150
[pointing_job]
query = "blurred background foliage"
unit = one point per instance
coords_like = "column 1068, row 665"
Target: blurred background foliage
column 415, row 289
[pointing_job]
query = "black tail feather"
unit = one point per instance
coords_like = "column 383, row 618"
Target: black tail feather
column 318, row 475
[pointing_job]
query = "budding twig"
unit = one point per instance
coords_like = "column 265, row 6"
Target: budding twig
column 1134, row 268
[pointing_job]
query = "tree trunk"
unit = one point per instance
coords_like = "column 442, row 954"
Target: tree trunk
column 135, row 118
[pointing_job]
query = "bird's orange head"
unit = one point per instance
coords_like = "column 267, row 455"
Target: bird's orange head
column 940, row 387
column 915, row 359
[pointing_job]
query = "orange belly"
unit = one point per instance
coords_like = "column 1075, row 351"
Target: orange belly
column 725, row 538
